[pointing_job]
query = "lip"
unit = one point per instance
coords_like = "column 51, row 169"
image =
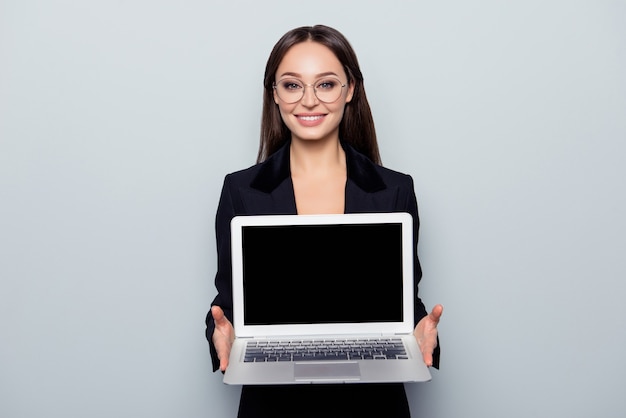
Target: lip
column 310, row 119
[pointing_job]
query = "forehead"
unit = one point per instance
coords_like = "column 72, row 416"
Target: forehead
column 309, row 59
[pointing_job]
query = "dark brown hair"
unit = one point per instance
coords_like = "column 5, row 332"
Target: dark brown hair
column 356, row 127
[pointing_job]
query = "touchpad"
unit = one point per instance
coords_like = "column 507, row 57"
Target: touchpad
column 327, row 371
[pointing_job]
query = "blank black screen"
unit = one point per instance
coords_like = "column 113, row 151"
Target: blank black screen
column 303, row 274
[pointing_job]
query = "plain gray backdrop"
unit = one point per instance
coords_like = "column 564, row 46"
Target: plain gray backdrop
column 119, row 120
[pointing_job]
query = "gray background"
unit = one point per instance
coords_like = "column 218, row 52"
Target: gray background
column 119, row 120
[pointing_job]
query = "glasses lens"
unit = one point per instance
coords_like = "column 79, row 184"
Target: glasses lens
column 291, row 90
column 328, row 90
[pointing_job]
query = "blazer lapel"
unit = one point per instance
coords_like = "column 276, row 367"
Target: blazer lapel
column 280, row 201
column 366, row 191
column 359, row 201
column 271, row 190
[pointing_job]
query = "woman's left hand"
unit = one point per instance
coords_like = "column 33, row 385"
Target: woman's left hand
column 426, row 333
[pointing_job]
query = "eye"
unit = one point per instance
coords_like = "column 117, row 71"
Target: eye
column 291, row 85
column 327, row 84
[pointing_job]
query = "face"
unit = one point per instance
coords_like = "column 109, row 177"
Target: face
column 309, row 118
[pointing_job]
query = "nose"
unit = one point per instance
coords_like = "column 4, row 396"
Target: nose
column 309, row 99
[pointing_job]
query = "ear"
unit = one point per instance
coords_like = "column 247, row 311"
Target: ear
column 350, row 92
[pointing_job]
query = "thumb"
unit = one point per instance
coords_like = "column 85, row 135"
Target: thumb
column 436, row 313
column 218, row 314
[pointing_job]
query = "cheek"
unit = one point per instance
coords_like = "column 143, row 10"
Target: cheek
column 285, row 109
column 284, row 113
column 339, row 108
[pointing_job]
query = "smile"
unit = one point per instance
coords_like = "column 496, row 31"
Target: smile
column 310, row 121
column 310, row 118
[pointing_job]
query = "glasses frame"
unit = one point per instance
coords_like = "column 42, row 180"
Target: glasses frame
column 311, row 85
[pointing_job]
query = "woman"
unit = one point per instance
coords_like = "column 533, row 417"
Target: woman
column 318, row 154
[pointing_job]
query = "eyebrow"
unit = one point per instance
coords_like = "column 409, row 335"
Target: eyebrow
column 290, row 74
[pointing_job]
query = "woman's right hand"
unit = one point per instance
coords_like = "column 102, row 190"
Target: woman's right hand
column 223, row 336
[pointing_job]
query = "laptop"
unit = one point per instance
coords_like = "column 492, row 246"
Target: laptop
column 323, row 299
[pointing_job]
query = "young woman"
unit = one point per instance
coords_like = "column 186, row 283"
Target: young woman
column 318, row 154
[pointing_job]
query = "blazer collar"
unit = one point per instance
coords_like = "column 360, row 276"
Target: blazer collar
column 361, row 170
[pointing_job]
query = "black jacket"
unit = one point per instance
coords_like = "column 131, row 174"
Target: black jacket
column 266, row 188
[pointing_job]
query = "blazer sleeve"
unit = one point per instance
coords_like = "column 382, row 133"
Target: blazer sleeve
column 223, row 281
column 408, row 203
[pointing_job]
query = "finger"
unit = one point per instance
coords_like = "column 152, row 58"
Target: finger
column 216, row 312
column 428, row 359
column 218, row 315
column 427, row 352
column 223, row 349
column 220, row 338
column 223, row 364
column 436, row 313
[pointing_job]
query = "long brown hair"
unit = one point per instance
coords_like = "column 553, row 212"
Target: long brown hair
column 356, row 127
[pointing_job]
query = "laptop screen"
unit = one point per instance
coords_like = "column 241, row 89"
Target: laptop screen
column 307, row 274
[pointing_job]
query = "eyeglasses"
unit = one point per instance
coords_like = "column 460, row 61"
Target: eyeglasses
column 291, row 90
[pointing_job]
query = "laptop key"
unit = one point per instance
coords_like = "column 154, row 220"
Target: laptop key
column 326, row 350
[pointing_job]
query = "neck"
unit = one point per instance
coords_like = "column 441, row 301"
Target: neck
column 316, row 156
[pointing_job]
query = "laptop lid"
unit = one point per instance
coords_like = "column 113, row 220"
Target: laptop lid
column 322, row 274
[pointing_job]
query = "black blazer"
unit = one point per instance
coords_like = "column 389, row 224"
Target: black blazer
column 266, row 188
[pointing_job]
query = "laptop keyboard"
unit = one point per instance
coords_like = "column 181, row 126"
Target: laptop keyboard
column 325, row 350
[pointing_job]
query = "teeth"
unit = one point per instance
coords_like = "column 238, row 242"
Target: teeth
column 310, row 118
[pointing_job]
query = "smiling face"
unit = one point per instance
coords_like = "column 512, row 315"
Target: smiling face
column 309, row 118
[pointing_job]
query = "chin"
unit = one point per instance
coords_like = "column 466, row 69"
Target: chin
column 310, row 138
